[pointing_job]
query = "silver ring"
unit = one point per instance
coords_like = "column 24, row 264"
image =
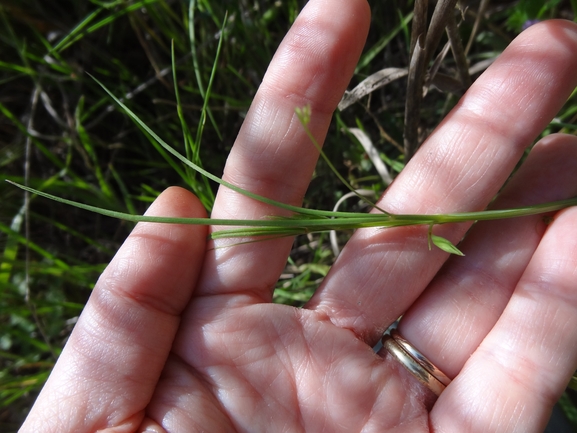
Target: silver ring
column 416, row 363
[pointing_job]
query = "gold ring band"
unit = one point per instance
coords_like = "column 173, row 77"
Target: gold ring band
column 420, row 367
column 420, row 358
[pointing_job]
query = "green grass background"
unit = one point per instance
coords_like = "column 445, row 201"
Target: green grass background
column 60, row 133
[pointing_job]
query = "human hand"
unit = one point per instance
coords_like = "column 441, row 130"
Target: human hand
column 179, row 337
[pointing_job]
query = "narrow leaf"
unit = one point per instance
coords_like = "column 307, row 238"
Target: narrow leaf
column 445, row 245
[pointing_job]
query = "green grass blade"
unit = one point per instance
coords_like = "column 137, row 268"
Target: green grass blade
column 70, row 37
column 11, row 247
column 81, row 29
column 33, row 247
column 199, row 169
column 205, row 94
column 86, row 143
column 192, row 148
column 205, row 108
column 382, row 43
column 300, row 224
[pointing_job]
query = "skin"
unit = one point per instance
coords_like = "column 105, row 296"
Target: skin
column 181, row 337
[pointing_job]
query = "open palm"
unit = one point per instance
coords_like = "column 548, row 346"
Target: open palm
column 180, row 336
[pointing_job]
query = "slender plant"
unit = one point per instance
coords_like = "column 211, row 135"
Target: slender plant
column 302, row 220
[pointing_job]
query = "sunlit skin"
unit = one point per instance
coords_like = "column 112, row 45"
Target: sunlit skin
column 181, row 337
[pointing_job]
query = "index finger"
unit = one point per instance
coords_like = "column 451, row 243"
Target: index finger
column 273, row 156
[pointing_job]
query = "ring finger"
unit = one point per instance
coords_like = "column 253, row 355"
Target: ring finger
column 522, row 366
column 467, row 297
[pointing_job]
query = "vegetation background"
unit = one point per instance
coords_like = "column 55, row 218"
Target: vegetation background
column 60, row 133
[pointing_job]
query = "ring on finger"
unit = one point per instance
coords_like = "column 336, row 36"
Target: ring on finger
column 415, row 362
